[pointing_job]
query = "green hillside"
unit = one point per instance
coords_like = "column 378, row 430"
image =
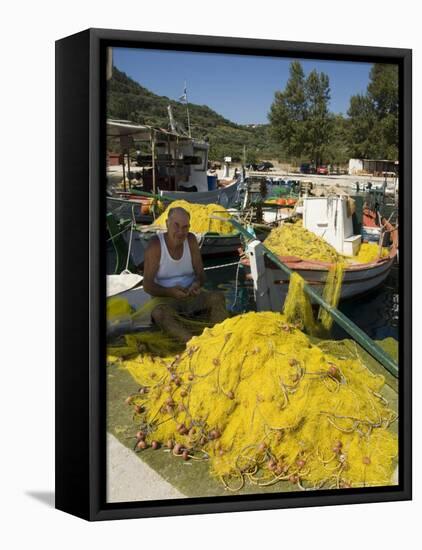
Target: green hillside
column 128, row 100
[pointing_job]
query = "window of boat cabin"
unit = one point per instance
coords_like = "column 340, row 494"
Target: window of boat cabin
column 200, row 154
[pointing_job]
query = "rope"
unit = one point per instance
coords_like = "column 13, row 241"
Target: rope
column 129, row 248
column 237, row 277
column 236, row 285
column 222, row 265
column 201, row 240
column 112, row 237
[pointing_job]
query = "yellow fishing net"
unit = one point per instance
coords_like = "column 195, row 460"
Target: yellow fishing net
column 292, row 239
column 117, row 307
column 200, row 217
column 298, row 308
column 118, row 310
column 369, row 252
column 262, row 403
column 331, row 293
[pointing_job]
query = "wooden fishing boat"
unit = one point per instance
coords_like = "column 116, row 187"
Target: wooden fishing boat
column 128, row 241
column 141, row 207
column 271, row 283
column 328, row 217
column 176, row 166
column 129, row 234
column 375, row 227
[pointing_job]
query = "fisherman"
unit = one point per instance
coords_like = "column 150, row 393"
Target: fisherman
column 173, row 269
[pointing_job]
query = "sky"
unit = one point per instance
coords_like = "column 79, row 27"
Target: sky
column 240, row 88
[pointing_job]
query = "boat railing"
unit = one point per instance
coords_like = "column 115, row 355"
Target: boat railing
column 151, row 195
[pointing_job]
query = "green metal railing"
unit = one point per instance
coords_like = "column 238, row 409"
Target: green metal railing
column 353, row 330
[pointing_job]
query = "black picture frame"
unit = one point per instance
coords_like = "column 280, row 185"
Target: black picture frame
column 80, row 269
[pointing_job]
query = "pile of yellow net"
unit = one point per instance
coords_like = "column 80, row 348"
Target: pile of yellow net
column 262, row 403
column 369, row 252
column 292, row 239
column 200, row 217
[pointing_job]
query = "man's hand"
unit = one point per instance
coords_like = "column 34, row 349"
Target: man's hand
column 194, row 289
column 179, row 292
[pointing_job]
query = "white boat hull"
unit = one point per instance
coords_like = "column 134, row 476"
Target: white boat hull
column 355, row 283
column 271, row 283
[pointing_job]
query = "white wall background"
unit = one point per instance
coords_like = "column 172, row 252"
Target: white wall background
column 29, row 30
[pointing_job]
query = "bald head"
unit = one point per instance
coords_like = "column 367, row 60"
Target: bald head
column 178, row 222
column 178, row 211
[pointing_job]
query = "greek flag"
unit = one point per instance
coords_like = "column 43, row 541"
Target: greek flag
column 184, row 97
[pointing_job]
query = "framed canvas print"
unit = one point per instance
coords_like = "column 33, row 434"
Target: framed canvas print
column 233, row 274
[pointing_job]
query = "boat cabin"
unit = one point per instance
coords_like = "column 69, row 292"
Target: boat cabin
column 173, row 162
column 331, row 218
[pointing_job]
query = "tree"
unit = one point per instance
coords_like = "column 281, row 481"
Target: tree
column 383, row 89
column 374, row 116
column 299, row 116
column 288, row 112
column 362, row 126
column 319, row 122
column 337, row 150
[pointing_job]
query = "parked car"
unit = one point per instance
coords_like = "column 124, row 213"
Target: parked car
column 322, row 169
column 307, row 168
column 264, row 166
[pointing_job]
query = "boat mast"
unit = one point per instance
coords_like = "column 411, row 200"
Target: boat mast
column 185, row 98
column 154, row 186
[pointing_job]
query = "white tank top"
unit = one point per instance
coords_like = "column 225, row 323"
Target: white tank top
column 173, row 272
